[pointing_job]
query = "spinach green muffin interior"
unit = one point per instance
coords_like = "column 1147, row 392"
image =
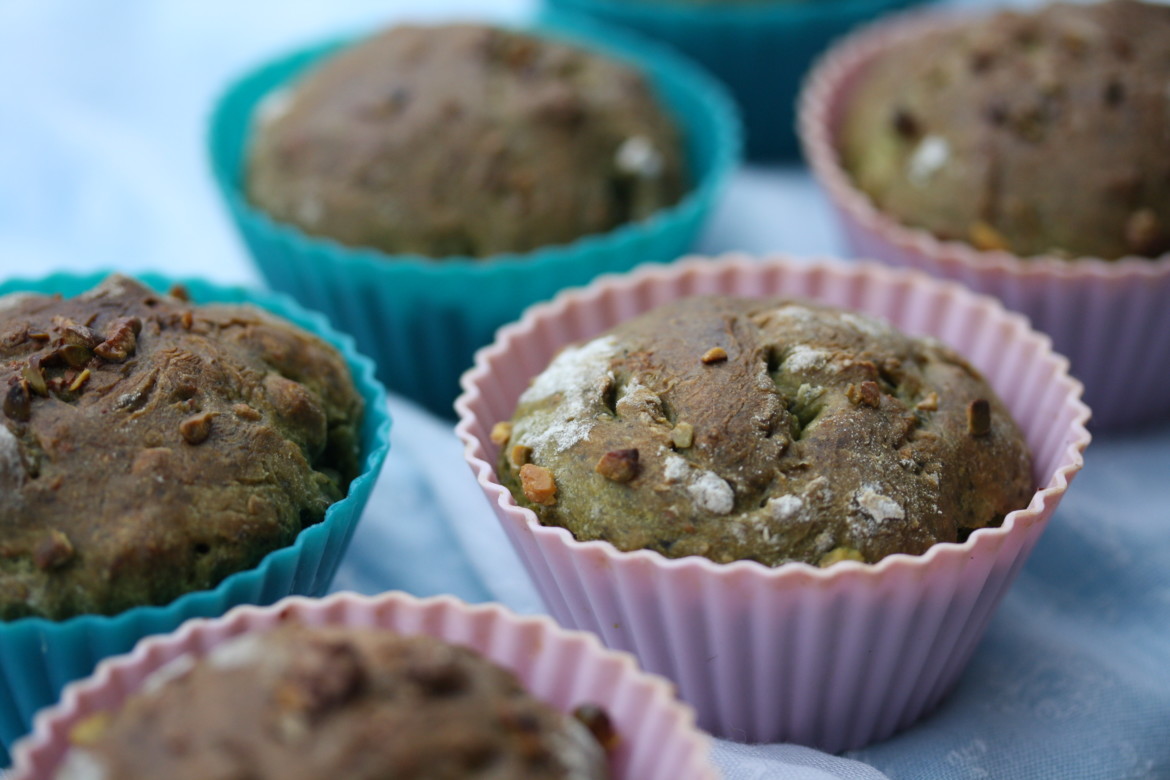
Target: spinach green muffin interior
column 150, row 446
column 302, row 702
column 1034, row 133
column 464, row 140
column 763, row 430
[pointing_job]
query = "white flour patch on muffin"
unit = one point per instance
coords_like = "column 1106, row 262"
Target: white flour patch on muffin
column 785, row 507
column 172, row 670
column 930, row 156
column 12, row 300
column 244, row 651
column 870, row 326
column 574, row 377
column 801, row 358
column 676, row 469
column 81, row 765
column 877, row 506
column 711, row 492
column 11, row 466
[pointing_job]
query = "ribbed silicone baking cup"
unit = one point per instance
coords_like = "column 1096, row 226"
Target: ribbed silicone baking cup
column 422, row 318
column 658, row 738
column 761, row 51
column 834, row 658
column 38, row 657
column 1110, row 318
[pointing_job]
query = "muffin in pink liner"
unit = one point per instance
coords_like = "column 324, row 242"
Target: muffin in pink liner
column 835, row 657
column 1107, row 316
column 657, row 737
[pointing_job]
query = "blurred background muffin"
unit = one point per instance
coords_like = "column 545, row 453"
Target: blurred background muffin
column 1041, row 133
column 464, row 140
column 1022, row 155
column 463, row 172
column 761, row 49
column 334, row 701
column 764, row 430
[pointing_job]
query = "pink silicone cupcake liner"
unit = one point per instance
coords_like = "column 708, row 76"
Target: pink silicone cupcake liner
column 658, row 738
column 1109, row 318
column 835, row 658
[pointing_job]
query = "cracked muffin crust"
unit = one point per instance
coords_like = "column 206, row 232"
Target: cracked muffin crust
column 150, row 446
column 1041, row 133
column 763, row 430
column 464, row 140
column 301, row 702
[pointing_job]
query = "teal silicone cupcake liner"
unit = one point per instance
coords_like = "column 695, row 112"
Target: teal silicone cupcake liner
column 422, row 318
column 760, row 50
column 38, row 657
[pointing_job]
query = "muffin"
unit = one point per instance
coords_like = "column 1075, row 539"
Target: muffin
column 152, row 447
column 761, row 49
column 1035, row 133
column 1031, row 134
column 765, row 430
column 52, row 652
column 836, row 656
column 422, row 319
column 301, row 702
column 349, row 686
column 464, row 140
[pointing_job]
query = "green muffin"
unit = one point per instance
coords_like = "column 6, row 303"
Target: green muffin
column 1040, row 133
column 763, row 430
column 464, row 140
column 301, row 703
column 150, row 447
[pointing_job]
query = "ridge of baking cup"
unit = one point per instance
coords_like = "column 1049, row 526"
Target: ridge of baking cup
column 420, row 318
column 835, row 658
column 1109, row 317
column 39, row 656
column 760, row 51
column 659, row 740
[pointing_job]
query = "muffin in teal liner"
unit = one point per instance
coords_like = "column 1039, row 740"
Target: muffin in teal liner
column 55, row 638
column 761, row 49
column 423, row 317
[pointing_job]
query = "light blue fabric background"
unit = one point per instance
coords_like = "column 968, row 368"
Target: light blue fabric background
column 102, row 110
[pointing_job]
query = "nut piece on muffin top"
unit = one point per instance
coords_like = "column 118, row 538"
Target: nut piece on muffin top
column 1042, row 133
column 150, row 446
column 361, row 704
column 464, row 140
column 765, row 430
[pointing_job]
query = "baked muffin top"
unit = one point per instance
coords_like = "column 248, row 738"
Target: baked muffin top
column 763, row 430
column 1033, row 133
column 464, row 140
column 150, row 447
column 361, row 704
